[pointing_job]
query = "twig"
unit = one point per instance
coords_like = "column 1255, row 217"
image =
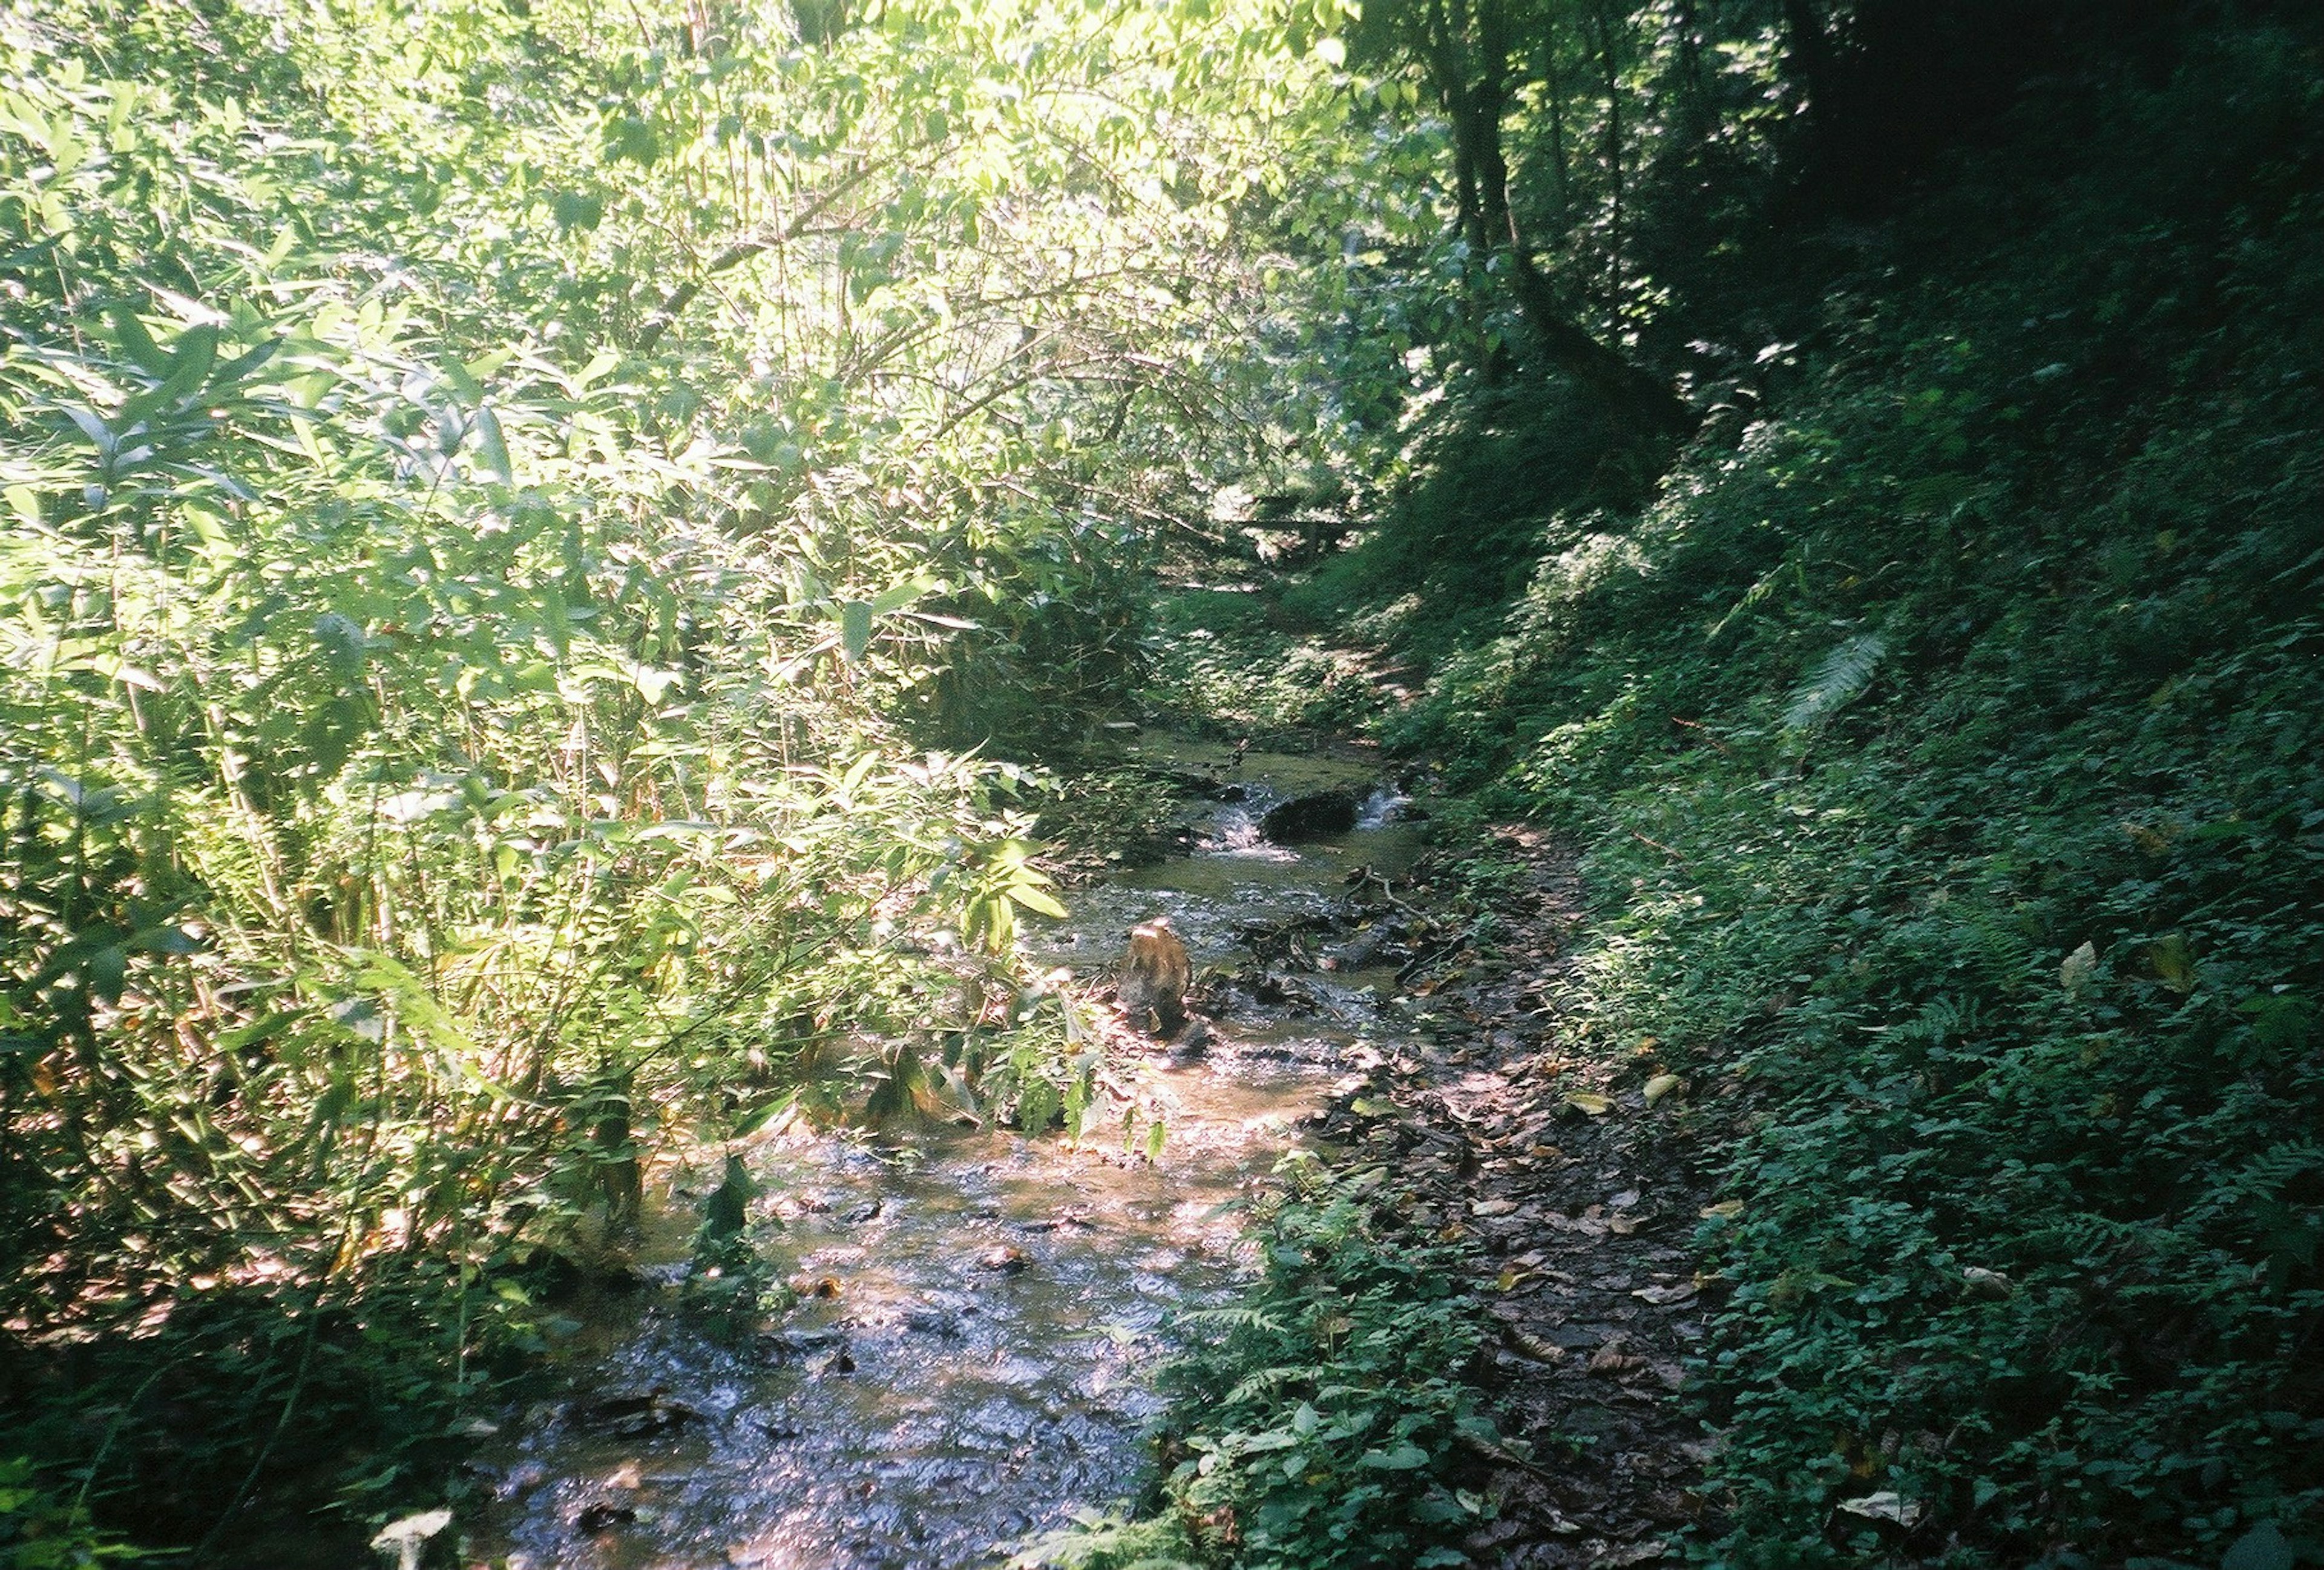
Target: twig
column 1666, row 850
column 1705, row 729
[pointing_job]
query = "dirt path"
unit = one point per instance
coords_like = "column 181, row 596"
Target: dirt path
column 1584, row 1208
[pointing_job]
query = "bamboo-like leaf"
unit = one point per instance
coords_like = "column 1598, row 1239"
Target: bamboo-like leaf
column 1037, row 902
column 492, row 446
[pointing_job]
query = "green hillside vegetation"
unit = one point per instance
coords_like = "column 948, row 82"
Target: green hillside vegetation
column 1947, row 733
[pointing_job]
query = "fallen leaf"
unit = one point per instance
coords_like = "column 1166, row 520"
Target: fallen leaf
column 1884, row 1506
column 1725, row 1209
column 1492, row 1206
column 1589, row 1102
column 1663, row 1296
column 1534, row 1347
column 1661, row 1086
column 1985, row 1283
column 1612, row 1359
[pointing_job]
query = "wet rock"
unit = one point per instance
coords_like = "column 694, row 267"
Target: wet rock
column 1318, row 815
column 1366, row 948
column 1275, row 987
column 1004, row 1260
column 930, row 1319
column 520, row 1479
column 1192, row 1044
column 1192, row 782
column 600, row 1517
column 558, row 1277
column 868, row 1211
column 634, row 1417
column 785, row 1345
column 1070, row 1216
column 1287, row 942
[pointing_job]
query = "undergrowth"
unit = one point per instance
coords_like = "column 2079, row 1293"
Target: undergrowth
column 1323, row 1418
column 1222, row 665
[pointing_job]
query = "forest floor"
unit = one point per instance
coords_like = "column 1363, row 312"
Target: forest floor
column 1577, row 1170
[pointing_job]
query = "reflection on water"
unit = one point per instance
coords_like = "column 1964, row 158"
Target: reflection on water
column 983, row 1365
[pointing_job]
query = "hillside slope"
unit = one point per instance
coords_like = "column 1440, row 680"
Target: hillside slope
column 1948, row 736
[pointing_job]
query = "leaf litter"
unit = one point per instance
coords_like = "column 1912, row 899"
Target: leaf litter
column 1580, row 1182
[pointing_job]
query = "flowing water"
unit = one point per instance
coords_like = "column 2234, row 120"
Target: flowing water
column 999, row 1303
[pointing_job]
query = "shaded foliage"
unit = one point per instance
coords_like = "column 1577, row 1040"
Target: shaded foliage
column 1945, row 737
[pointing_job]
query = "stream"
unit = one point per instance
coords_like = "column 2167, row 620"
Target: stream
column 998, row 1304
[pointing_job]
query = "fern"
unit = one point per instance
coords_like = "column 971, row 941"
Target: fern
column 1838, row 682
column 1265, row 1381
column 1235, row 1316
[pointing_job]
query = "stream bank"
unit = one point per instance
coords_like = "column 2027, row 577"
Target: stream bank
column 1575, row 1167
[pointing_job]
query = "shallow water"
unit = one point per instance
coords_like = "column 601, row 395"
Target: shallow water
column 999, row 1302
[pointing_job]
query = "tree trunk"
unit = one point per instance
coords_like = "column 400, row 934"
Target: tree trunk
column 1464, row 46
column 1570, row 351
column 1809, row 52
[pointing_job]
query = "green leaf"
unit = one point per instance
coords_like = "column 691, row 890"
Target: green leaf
column 1037, row 900
column 904, row 594
column 855, row 628
column 492, row 446
column 573, row 210
column 1840, row 680
column 2263, row 1547
column 109, row 972
column 137, row 343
